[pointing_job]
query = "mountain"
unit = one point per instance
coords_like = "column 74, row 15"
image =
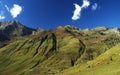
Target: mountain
column 105, row 64
column 13, row 29
column 65, row 50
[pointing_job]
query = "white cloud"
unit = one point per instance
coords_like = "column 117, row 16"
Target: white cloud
column 94, row 6
column 86, row 3
column 77, row 12
column 15, row 10
column 78, row 9
column 7, row 7
column 2, row 17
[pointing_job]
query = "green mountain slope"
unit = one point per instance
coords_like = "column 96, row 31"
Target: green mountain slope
column 25, row 54
column 107, row 63
column 56, row 51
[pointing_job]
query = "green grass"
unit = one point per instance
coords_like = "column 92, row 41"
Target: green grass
column 54, row 52
column 30, row 56
column 106, row 64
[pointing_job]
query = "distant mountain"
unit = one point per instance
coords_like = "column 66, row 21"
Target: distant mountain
column 65, row 50
column 10, row 30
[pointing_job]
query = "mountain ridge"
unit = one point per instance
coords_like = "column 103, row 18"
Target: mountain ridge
column 50, row 52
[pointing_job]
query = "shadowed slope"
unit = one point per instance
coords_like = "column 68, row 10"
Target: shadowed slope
column 10, row 30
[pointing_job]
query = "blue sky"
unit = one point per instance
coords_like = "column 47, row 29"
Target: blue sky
column 49, row 14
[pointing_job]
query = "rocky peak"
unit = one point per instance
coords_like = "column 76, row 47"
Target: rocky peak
column 117, row 31
column 38, row 30
column 71, row 27
column 100, row 28
column 10, row 23
column 13, row 29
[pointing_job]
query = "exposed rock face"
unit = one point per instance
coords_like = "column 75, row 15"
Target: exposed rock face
column 117, row 31
column 100, row 28
column 13, row 29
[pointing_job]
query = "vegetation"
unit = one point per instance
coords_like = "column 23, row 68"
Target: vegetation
column 62, row 51
column 106, row 64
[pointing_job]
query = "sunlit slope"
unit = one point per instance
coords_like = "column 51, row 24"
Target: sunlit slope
column 64, row 49
column 106, row 64
column 38, row 55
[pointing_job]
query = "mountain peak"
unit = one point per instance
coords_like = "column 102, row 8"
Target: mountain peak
column 3, row 25
column 14, row 28
column 100, row 28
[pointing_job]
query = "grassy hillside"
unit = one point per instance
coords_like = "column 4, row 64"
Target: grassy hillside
column 64, row 50
column 30, row 56
column 106, row 64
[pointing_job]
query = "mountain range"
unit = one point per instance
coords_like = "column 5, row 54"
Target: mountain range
column 65, row 50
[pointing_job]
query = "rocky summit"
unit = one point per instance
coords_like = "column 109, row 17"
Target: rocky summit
column 65, row 50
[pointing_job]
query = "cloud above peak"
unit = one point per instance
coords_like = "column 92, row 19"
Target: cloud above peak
column 86, row 3
column 15, row 10
column 77, row 12
column 78, row 9
column 94, row 6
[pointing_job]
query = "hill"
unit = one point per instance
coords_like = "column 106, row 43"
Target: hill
column 57, row 51
column 106, row 64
